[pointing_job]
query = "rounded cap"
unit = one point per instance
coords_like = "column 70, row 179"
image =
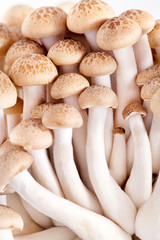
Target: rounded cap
column 44, row 22
column 32, row 69
column 98, row 96
column 132, row 110
column 6, row 39
column 149, row 88
column 10, row 219
column 97, row 63
column 68, row 84
column 148, row 74
column 15, row 15
column 118, row 32
column 11, row 164
column 7, row 147
column 155, row 102
column 66, row 6
column 66, row 52
column 19, row 49
column 144, row 19
column 154, row 35
column 119, row 130
column 31, row 134
column 8, row 92
column 62, row 116
column 16, row 109
column 38, row 111
column 88, row 15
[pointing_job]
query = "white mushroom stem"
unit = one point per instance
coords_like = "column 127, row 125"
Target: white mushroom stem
column 91, row 38
column 155, row 143
column 6, row 234
column 79, row 142
column 12, row 121
column 139, row 184
column 86, row 224
column 57, row 233
column 127, row 90
column 130, row 154
column 115, row 203
column 3, row 130
column 33, row 96
column 69, row 69
column 118, row 163
column 49, row 41
column 68, row 174
column 158, row 53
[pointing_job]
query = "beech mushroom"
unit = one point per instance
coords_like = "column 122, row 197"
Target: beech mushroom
column 154, row 38
column 110, row 195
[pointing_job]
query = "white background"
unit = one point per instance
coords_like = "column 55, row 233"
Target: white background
column 152, row 6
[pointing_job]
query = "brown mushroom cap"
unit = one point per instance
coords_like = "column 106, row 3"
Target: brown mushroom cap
column 6, row 39
column 119, row 130
column 38, row 111
column 33, row 69
column 66, row 52
column 132, row 110
column 98, row 96
column 155, row 102
column 15, row 15
column 62, row 116
column 97, row 63
column 144, row 19
column 149, row 88
column 31, row 134
column 88, row 15
column 68, row 84
column 10, row 219
column 154, row 35
column 118, row 32
column 16, row 109
column 8, row 92
column 148, row 74
column 11, row 164
column 44, row 22
column 7, row 147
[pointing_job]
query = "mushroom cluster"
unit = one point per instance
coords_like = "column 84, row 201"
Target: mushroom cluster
column 79, row 123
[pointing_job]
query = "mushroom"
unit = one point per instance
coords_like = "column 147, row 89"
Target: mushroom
column 110, row 195
column 99, row 66
column 32, row 71
column 139, row 183
column 86, row 17
column 118, row 163
column 153, row 38
column 66, row 6
column 46, row 23
column 118, row 34
column 62, row 118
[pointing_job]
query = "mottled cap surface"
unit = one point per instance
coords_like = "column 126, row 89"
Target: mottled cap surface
column 132, row 110
column 44, row 22
column 97, row 63
column 98, row 96
column 8, row 92
column 6, row 38
column 31, row 134
column 11, row 164
column 119, row 130
column 148, row 74
column 62, row 116
column 19, row 49
column 32, row 69
column 88, row 15
column 16, row 109
column 155, row 102
column 66, row 52
column 68, row 84
column 38, row 111
column 7, row 147
column 154, row 35
column 149, row 88
column 144, row 19
column 10, row 219
column 118, row 32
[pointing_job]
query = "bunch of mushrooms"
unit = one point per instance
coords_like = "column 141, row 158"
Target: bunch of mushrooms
column 79, row 123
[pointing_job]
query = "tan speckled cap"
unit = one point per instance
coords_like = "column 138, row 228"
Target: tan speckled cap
column 11, row 164
column 6, row 39
column 16, row 109
column 118, row 32
column 8, row 92
column 15, row 15
column 154, row 35
column 97, row 63
column 19, row 49
column 119, row 130
column 44, row 22
column 62, row 116
column 66, row 52
column 88, row 15
column 38, row 111
column 10, row 219
column 149, row 88
column 68, row 84
column 7, row 147
column 132, row 110
column 31, row 134
column 98, row 96
column 148, row 74
column 66, row 6
column 32, row 69
column 155, row 102
column 144, row 19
